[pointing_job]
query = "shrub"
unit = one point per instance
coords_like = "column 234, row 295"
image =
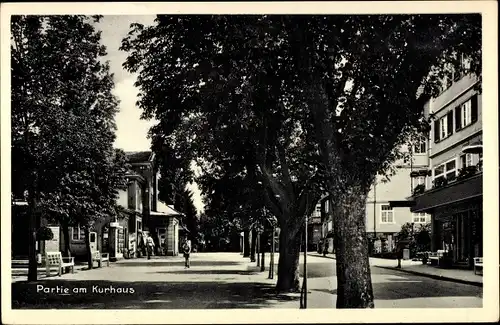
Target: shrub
column 44, row 233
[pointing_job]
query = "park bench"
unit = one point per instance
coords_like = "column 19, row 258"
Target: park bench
column 478, row 262
column 100, row 257
column 55, row 259
column 436, row 257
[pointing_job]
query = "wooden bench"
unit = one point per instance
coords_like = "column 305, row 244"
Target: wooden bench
column 100, row 257
column 478, row 262
column 55, row 259
column 435, row 257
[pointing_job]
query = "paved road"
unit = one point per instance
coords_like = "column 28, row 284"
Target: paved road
column 224, row 280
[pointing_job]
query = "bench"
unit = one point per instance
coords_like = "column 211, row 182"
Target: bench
column 478, row 262
column 100, row 257
column 435, row 257
column 55, row 259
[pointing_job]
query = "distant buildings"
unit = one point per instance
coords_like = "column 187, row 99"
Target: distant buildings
column 383, row 221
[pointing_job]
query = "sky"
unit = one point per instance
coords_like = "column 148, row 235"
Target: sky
column 131, row 130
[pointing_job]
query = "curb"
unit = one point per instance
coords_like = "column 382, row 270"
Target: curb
column 433, row 276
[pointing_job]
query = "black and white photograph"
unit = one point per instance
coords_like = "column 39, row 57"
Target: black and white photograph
column 250, row 160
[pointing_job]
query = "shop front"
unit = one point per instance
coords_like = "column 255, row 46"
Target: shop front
column 456, row 219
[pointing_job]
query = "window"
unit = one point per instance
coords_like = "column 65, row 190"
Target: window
column 421, row 147
column 318, row 212
column 466, row 111
column 443, row 127
column 448, row 170
column 387, row 214
column 466, row 160
column 419, row 218
column 77, row 233
column 451, row 170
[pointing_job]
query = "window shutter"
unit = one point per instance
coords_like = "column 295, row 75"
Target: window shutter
column 458, row 118
column 474, row 108
column 436, row 131
column 450, row 122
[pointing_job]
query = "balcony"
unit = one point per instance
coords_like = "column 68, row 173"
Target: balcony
column 468, row 184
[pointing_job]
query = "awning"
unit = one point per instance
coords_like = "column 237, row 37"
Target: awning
column 402, row 204
column 164, row 210
column 455, row 192
column 421, row 172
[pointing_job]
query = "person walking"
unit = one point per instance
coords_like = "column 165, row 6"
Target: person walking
column 186, row 249
column 149, row 246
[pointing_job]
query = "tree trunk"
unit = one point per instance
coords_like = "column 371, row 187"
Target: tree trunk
column 67, row 247
column 87, row 248
column 354, row 286
column 254, row 245
column 288, row 264
column 246, row 243
column 32, row 263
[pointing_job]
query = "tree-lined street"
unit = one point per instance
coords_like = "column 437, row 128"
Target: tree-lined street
column 226, row 280
column 275, row 111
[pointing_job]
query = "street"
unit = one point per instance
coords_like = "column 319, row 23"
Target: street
column 225, row 280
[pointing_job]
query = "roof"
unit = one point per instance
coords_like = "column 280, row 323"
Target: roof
column 452, row 193
column 134, row 157
column 164, row 210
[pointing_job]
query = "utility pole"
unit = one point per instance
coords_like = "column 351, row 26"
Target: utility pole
column 271, row 262
column 305, row 266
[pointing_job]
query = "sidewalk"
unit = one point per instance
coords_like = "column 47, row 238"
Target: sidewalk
column 21, row 273
column 417, row 268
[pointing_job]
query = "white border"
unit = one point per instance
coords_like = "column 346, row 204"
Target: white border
column 489, row 312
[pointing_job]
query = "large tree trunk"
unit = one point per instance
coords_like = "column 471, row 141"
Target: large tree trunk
column 87, row 248
column 288, row 264
column 354, row 285
column 246, row 243
column 67, row 246
column 32, row 263
column 254, row 245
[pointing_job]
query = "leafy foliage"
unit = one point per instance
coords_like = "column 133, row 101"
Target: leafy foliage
column 418, row 237
column 302, row 104
column 63, row 125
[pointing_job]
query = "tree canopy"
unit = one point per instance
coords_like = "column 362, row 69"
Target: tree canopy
column 302, row 104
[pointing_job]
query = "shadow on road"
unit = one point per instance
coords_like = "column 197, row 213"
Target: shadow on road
column 157, row 262
column 208, row 272
column 145, row 295
column 406, row 289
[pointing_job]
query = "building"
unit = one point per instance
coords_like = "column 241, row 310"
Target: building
column 383, row 221
column 140, row 212
column 314, row 229
column 452, row 190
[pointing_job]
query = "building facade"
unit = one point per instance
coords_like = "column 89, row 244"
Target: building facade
column 140, row 211
column 383, row 220
column 452, row 191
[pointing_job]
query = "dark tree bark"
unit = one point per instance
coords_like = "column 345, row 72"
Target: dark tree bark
column 288, row 265
column 354, row 286
column 32, row 263
column 246, row 243
column 253, row 245
column 67, row 247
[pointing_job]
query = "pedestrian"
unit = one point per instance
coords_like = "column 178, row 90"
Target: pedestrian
column 186, row 249
column 325, row 250
column 149, row 246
